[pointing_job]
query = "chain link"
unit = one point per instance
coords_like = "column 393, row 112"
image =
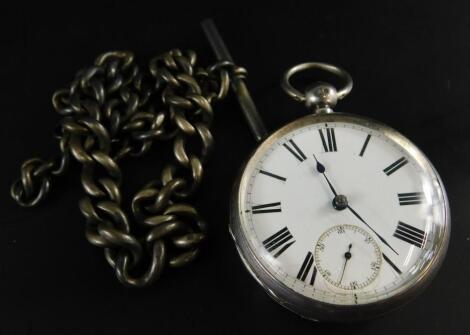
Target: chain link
column 113, row 110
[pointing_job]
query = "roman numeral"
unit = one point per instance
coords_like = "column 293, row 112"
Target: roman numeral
column 305, row 269
column 365, row 145
column 266, row 173
column 295, row 150
column 395, row 166
column 410, row 234
column 279, row 241
column 329, row 144
column 394, row 267
column 414, row 198
column 274, row 207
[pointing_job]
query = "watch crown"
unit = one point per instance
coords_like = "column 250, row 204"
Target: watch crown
column 321, row 97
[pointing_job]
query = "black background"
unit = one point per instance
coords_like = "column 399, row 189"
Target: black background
column 410, row 64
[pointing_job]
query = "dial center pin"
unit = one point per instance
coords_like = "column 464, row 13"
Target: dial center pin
column 340, row 202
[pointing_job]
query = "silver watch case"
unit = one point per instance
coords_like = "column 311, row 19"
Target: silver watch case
column 321, row 311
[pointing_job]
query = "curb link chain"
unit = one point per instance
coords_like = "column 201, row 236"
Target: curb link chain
column 113, row 110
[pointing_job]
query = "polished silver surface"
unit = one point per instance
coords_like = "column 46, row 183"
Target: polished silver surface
column 322, row 93
column 321, row 311
column 321, row 98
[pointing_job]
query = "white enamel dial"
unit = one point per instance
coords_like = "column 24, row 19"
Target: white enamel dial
column 324, row 175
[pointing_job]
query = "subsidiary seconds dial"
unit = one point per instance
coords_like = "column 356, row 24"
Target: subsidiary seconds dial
column 348, row 257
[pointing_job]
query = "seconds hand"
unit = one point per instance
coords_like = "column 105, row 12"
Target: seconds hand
column 347, row 256
column 340, row 202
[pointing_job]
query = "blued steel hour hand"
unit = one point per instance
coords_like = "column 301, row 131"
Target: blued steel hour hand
column 321, row 169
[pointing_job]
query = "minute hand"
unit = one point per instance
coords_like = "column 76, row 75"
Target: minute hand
column 321, row 169
column 377, row 234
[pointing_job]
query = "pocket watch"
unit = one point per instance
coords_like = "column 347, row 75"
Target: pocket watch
column 337, row 216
